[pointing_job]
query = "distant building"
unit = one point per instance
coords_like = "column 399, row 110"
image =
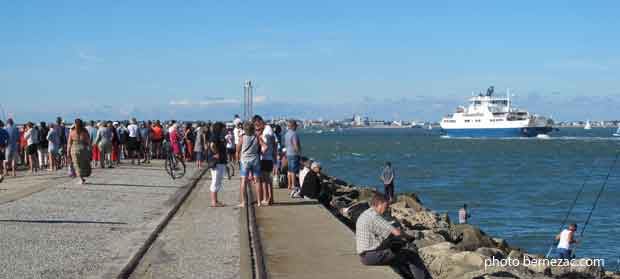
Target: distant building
column 360, row 121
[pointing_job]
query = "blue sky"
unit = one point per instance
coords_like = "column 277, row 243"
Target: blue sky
column 408, row 60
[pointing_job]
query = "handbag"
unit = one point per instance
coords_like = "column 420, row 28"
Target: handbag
column 211, row 159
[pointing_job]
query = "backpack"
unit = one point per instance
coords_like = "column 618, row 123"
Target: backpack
column 123, row 136
column 43, row 136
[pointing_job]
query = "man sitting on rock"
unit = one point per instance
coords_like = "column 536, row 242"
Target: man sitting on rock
column 375, row 236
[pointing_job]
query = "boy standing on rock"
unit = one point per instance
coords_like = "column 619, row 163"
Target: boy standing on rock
column 463, row 214
column 373, row 238
column 387, row 176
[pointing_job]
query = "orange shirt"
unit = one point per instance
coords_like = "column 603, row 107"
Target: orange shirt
column 157, row 132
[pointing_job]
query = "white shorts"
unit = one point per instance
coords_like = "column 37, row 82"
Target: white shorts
column 217, row 175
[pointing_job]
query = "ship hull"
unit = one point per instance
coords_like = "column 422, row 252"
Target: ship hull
column 496, row 132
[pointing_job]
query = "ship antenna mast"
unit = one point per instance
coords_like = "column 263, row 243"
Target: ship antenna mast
column 508, row 97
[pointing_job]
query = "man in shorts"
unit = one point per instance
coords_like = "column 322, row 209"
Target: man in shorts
column 267, row 156
column 293, row 153
column 10, row 153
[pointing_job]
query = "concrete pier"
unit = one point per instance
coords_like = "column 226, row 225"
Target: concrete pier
column 136, row 222
column 200, row 241
column 301, row 239
column 52, row 227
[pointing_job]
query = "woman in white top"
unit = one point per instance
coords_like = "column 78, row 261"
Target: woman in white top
column 32, row 137
column 133, row 141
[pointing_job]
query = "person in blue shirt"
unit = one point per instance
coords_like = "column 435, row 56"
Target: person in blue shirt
column 12, row 147
column 4, row 140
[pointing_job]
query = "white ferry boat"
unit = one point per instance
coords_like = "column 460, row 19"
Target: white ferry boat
column 490, row 116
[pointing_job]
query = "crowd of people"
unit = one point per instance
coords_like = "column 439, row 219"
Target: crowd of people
column 264, row 153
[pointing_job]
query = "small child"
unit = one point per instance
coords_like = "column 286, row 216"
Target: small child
column 306, row 163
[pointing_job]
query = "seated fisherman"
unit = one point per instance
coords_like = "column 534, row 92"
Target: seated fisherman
column 312, row 182
column 374, row 234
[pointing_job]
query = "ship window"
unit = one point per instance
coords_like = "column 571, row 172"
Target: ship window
column 467, row 121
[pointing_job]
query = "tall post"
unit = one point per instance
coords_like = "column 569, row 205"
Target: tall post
column 248, row 100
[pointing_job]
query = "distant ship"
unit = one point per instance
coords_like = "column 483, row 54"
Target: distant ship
column 617, row 133
column 588, row 126
column 490, row 116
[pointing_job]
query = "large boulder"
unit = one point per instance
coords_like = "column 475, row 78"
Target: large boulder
column 516, row 254
column 427, row 238
column 366, row 193
column 503, row 272
column 501, row 243
column 417, row 220
column 492, row 253
column 470, row 238
column 444, row 261
column 612, row 275
column 410, row 200
column 581, row 268
column 439, row 250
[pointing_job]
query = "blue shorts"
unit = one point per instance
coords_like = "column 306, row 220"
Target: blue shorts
column 293, row 163
column 253, row 167
column 564, row 253
column 200, row 156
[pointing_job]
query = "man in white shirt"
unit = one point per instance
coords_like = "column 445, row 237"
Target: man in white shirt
column 267, row 156
column 133, row 141
column 566, row 238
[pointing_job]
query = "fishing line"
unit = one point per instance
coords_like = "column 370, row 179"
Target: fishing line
column 598, row 196
column 600, row 192
column 572, row 206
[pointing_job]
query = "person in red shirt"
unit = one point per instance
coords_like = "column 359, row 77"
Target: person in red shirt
column 157, row 136
column 23, row 143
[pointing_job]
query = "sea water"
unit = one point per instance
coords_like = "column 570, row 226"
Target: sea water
column 518, row 189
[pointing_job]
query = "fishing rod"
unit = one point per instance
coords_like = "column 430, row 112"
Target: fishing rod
column 572, row 206
column 598, row 196
column 600, row 192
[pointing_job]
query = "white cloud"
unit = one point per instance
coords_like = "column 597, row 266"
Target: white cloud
column 215, row 101
column 260, row 99
column 218, row 102
column 579, row 65
column 180, row 103
column 88, row 58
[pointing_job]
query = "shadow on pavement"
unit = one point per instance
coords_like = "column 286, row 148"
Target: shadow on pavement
column 294, row 203
column 62, row 222
column 134, row 185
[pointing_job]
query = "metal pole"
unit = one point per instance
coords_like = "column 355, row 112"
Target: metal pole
column 251, row 91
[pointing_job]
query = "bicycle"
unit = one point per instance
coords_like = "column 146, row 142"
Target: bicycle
column 174, row 166
column 59, row 159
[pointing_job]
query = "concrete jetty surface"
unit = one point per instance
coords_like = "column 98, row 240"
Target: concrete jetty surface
column 301, row 239
column 51, row 227
column 200, row 241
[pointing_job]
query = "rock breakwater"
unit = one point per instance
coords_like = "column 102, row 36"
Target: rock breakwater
column 450, row 250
